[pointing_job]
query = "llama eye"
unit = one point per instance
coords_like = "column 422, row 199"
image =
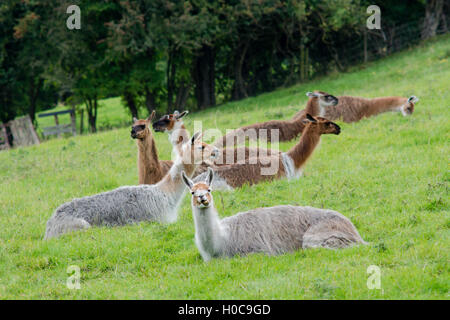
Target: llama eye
column 209, row 190
column 192, row 192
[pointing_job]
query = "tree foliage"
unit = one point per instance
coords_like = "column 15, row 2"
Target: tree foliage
column 168, row 54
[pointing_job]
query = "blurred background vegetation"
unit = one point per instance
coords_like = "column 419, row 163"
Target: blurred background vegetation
column 167, row 55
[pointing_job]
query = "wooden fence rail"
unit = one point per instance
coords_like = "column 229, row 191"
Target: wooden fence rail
column 58, row 129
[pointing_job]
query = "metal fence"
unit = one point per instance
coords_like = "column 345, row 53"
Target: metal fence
column 373, row 44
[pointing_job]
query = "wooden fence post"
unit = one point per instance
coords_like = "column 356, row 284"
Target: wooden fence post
column 57, row 124
column 81, row 121
column 73, row 122
column 4, row 135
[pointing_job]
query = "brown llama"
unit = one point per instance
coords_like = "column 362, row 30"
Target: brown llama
column 287, row 164
column 287, row 129
column 353, row 109
column 150, row 169
column 174, row 126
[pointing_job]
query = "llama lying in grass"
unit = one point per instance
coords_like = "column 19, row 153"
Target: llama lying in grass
column 273, row 230
column 353, row 109
column 173, row 125
column 287, row 129
column 150, row 168
column 287, row 164
column 132, row 204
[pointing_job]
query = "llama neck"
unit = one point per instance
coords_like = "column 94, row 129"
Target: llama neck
column 209, row 232
column 296, row 125
column 313, row 107
column 305, row 147
column 178, row 135
column 172, row 183
column 149, row 167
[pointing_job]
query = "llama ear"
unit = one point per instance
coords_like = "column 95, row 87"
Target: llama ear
column 209, row 176
column 150, row 117
column 181, row 115
column 134, row 119
column 413, row 99
column 195, row 137
column 309, row 118
column 186, row 180
column 311, row 94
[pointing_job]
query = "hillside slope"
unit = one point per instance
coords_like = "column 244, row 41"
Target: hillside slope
column 388, row 174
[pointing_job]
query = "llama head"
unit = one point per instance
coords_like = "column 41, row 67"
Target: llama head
column 201, row 191
column 323, row 99
column 140, row 129
column 169, row 122
column 408, row 108
column 321, row 125
column 195, row 151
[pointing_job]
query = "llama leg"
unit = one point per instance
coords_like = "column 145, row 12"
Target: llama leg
column 61, row 224
column 331, row 235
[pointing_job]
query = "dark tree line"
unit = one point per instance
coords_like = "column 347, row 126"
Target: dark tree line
column 167, row 54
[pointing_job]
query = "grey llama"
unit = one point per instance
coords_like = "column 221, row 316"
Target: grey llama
column 132, row 204
column 272, row 230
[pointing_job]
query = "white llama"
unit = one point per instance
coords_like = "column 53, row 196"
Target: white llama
column 132, row 204
column 273, row 230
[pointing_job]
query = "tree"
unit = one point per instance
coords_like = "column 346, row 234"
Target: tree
column 136, row 50
column 81, row 67
column 433, row 16
column 26, row 54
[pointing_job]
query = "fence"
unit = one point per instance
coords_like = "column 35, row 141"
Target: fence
column 370, row 45
column 58, row 129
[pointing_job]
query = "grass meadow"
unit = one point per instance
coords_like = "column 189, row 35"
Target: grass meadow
column 388, row 174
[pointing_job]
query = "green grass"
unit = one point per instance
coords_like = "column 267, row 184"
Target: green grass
column 388, row 174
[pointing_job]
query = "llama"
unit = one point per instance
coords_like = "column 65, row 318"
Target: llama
column 287, row 129
column 288, row 164
column 353, row 109
column 270, row 230
column 150, row 168
column 132, row 204
column 174, row 126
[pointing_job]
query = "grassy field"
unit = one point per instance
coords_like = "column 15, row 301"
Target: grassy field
column 388, row 174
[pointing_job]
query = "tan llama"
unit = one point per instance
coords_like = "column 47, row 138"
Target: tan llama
column 173, row 125
column 150, row 168
column 353, row 109
column 286, row 129
column 287, row 164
